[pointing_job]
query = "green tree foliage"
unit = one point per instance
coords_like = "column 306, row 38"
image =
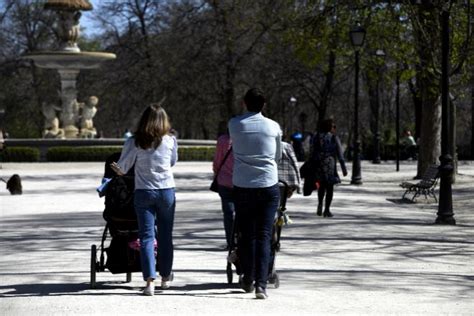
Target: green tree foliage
column 200, row 56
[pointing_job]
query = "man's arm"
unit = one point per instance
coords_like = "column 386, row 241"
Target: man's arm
column 278, row 153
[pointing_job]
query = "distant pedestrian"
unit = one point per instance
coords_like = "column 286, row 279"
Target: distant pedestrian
column 222, row 166
column 153, row 151
column 2, row 140
column 409, row 144
column 326, row 150
column 288, row 170
column 297, row 142
column 256, row 143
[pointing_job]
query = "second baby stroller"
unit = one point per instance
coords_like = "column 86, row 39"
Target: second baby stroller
column 280, row 220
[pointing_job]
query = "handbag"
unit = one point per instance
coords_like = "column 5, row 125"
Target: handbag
column 214, row 185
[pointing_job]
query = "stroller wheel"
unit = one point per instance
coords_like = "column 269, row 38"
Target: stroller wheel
column 129, row 277
column 274, row 279
column 276, row 282
column 230, row 273
column 93, row 265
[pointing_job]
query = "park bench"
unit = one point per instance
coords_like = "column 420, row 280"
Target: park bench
column 425, row 186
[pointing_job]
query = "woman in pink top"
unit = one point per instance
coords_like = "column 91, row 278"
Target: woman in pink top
column 222, row 167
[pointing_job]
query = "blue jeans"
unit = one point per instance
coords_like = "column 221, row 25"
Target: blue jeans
column 227, row 201
column 155, row 207
column 255, row 213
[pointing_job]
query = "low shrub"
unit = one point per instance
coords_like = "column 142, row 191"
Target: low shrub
column 83, row 153
column 20, row 154
column 100, row 153
column 188, row 153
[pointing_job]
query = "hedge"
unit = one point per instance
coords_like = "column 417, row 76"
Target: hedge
column 204, row 153
column 100, row 153
column 83, row 153
column 94, row 153
column 20, row 154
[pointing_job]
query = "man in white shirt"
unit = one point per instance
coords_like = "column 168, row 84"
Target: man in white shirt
column 256, row 142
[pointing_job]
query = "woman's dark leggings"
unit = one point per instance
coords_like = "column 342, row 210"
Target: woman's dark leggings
column 328, row 190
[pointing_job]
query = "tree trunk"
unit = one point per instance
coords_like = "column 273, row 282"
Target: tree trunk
column 472, row 116
column 327, row 89
column 228, row 111
column 430, row 141
column 417, row 103
column 428, row 86
column 372, row 92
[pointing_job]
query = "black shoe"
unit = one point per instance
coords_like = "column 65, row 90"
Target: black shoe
column 327, row 214
column 320, row 210
column 247, row 286
column 261, row 293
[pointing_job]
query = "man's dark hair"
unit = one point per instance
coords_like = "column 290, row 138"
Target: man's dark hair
column 254, row 100
column 327, row 125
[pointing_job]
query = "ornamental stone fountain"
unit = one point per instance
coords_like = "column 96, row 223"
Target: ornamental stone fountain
column 68, row 60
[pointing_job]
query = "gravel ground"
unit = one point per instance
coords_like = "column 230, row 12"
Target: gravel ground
column 377, row 256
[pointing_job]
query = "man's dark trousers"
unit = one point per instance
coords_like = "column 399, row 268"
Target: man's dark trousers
column 255, row 212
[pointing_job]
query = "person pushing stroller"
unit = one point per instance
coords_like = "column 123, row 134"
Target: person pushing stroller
column 257, row 149
column 153, row 151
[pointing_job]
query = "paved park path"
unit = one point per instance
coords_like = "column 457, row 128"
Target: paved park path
column 376, row 256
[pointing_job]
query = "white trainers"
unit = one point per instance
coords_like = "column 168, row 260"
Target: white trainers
column 149, row 290
column 165, row 282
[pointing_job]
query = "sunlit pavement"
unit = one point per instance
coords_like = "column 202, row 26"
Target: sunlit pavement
column 377, row 255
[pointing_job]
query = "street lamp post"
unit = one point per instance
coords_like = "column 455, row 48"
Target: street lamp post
column 445, row 205
column 397, row 119
column 380, row 54
column 303, row 117
column 357, row 36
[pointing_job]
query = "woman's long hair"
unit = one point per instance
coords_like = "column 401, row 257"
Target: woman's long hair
column 153, row 125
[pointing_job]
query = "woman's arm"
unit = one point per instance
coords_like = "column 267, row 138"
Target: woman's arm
column 340, row 156
column 278, row 153
column 127, row 157
column 174, row 151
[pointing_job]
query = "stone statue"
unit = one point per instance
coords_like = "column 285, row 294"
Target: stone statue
column 69, row 30
column 51, row 125
column 68, row 5
column 87, row 112
column 68, row 27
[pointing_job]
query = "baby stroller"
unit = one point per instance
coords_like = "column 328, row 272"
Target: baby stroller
column 122, row 254
column 233, row 254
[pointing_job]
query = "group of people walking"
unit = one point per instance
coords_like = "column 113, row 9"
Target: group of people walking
column 248, row 162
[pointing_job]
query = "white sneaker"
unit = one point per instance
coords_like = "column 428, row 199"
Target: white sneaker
column 165, row 282
column 149, row 290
